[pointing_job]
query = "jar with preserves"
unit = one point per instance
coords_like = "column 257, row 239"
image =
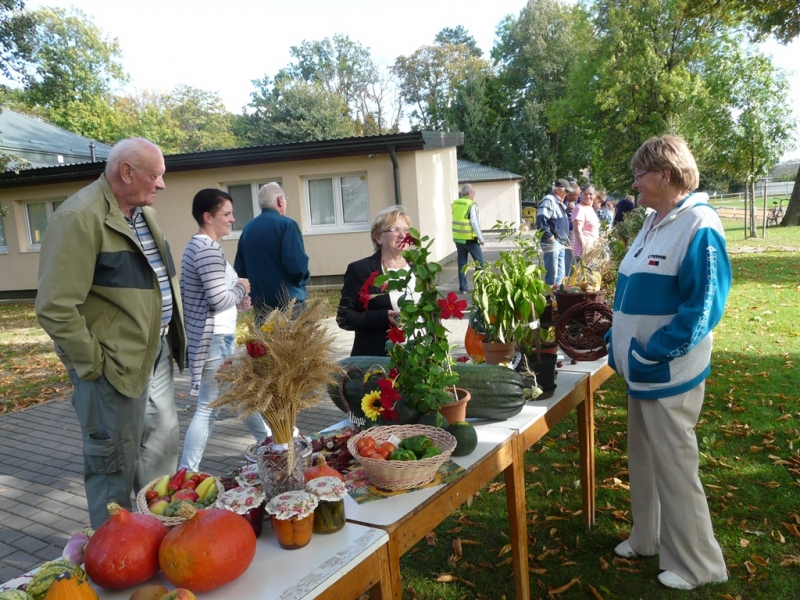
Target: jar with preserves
column 292, row 518
column 329, row 514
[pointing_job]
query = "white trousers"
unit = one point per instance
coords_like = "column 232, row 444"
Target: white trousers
column 670, row 510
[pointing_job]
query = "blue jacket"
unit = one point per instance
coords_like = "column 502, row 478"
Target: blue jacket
column 552, row 220
column 272, row 256
column 671, row 292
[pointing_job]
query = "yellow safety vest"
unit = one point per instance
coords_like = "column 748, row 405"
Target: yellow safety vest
column 462, row 228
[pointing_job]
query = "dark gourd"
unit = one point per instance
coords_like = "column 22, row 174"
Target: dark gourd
column 497, row 392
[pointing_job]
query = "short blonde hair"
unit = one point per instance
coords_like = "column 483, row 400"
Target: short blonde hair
column 668, row 152
column 384, row 219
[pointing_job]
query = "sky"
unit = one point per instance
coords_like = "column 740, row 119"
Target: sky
column 223, row 46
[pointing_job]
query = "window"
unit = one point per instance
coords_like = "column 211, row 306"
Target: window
column 3, row 244
column 37, row 215
column 245, row 204
column 338, row 203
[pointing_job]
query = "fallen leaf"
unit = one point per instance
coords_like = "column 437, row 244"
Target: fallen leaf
column 760, row 561
column 595, row 593
column 751, row 568
column 744, row 543
column 792, row 529
column 603, row 564
column 504, row 550
column 431, row 538
column 563, row 588
column 537, row 571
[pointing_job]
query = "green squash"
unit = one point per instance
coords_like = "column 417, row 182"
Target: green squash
column 15, row 595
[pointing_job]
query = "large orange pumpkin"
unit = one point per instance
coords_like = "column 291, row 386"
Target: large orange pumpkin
column 212, row 548
column 472, row 343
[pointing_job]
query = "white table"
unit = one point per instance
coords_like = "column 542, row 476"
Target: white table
column 343, row 565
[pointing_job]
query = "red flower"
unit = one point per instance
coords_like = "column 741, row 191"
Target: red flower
column 452, row 306
column 389, row 395
column 462, row 359
column 389, row 414
column 409, row 240
column 393, row 373
column 363, row 295
column 396, row 335
column 256, row 349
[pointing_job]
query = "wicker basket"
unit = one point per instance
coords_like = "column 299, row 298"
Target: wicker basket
column 141, row 503
column 395, row 475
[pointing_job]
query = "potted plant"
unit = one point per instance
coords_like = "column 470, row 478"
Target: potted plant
column 510, row 296
column 420, row 365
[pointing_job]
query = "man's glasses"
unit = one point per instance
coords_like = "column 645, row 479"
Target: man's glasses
column 396, row 230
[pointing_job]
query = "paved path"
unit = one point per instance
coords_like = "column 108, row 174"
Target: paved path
column 42, row 500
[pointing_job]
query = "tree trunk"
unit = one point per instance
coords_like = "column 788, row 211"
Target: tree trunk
column 751, row 194
column 792, row 214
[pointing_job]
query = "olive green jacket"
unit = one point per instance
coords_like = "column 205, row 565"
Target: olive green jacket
column 99, row 298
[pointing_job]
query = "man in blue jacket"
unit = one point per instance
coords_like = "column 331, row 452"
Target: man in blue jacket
column 552, row 220
column 272, row 256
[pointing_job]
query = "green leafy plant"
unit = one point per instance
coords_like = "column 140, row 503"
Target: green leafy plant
column 509, row 293
column 422, row 364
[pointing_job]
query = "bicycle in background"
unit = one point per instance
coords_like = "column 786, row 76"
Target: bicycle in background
column 775, row 215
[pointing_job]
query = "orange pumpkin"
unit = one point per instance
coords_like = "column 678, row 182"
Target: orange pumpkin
column 212, row 548
column 321, row 469
column 68, row 586
column 472, row 343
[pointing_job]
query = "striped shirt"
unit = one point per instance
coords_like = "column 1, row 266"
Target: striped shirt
column 206, row 292
column 148, row 245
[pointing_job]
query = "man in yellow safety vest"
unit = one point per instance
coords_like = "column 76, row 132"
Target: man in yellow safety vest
column 466, row 232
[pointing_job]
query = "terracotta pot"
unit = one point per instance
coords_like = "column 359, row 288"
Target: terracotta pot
column 456, row 411
column 496, row 353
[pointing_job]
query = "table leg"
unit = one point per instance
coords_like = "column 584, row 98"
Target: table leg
column 383, row 589
column 518, row 529
column 585, row 412
column 394, row 569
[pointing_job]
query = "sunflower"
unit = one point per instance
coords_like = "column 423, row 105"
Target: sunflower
column 371, row 405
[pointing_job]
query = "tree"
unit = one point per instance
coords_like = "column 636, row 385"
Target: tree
column 72, row 72
column 15, row 30
column 458, row 35
column 289, row 110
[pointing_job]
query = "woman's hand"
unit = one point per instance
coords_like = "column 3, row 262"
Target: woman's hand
column 246, row 284
column 393, row 314
column 244, row 304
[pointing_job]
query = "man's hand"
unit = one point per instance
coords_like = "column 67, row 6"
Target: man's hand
column 393, row 314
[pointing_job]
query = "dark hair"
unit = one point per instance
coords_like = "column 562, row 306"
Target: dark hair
column 209, row 200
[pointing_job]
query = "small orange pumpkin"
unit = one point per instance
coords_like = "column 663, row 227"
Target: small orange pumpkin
column 68, row 586
column 321, row 469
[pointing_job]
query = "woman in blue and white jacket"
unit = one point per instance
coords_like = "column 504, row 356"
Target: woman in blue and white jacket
column 210, row 291
column 671, row 292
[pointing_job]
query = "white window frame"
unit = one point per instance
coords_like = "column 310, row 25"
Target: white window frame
column 49, row 210
column 339, row 226
column 4, row 246
column 254, row 187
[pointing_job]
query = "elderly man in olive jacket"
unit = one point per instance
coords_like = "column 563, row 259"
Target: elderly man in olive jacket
column 109, row 298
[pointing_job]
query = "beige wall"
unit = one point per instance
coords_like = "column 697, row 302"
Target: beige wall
column 427, row 184
column 497, row 201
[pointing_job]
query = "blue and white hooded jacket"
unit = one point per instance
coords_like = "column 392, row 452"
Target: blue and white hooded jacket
column 671, row 292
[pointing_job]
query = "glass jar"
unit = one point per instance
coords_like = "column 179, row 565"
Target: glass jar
column 292, row 518
column 329, row 515
column 245, row 500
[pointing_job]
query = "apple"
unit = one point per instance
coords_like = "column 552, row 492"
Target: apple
column 188, row 495
column 149, row 592
column 151, row 495
column 157, row 506
column 179, row 594
column 189, row 485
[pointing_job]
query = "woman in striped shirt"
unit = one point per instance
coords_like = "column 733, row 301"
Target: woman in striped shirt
column 211, row 291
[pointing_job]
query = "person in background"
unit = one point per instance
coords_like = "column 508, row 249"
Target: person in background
column 671, row 292
column 272, row 256
column 599, row 200
column 552, row 221
column 110, row 301
column 624, row 206
column 571, row 200
column 606, row 213
column 466, row 233
column 585, row 224
column 211, row 292
column 364, row 307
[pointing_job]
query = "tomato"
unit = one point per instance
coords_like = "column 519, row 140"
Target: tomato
column 368, row 453
column 378, row 456
column 151, row 495
column 189, row 485
column 197, row 478
column 365, row 442
column 386, row 448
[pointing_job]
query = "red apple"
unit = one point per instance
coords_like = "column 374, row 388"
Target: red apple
column 179, row 594
column 189, row 485
column 188, row 495
column 157, row 506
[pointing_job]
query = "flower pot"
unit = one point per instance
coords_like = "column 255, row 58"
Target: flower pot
column 545, row 370
column 456, row 411
column 496, row 353
column 549, row 348
column 473, row 343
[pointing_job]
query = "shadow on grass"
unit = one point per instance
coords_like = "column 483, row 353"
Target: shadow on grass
column 768, row 269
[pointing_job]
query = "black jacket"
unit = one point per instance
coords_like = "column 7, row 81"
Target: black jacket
column 370, row 325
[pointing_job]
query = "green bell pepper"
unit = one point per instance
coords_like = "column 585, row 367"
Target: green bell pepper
column 431, row 451
column 402, row 454
column 418, row 444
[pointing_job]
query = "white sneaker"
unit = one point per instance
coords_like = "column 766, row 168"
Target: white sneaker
column 676, row 582
column 625, row 551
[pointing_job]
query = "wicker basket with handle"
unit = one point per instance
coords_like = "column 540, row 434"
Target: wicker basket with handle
column 141, row 503
column 395, row 475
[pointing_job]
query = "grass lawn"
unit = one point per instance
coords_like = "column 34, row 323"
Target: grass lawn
column 749, row 439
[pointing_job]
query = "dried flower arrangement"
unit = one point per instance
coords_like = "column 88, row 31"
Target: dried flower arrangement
column 285, row 370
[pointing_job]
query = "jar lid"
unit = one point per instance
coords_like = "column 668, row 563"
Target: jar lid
column 329, row 489
column 240, row 499
column 248, row 475
column 292, row 504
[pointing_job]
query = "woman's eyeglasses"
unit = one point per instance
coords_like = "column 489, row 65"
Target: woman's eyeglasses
column 396, row 230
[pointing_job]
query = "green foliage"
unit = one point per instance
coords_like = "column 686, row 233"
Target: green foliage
column 780, row 18
column 15, row 34
column 423, row 362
